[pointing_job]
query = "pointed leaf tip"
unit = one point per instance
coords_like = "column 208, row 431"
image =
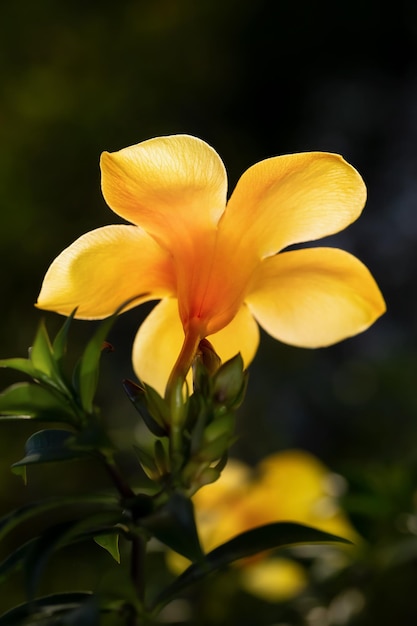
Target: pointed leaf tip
column 110, row 543
column 254, row 541
column 49, row 445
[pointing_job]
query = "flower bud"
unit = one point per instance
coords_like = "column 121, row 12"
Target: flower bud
column 142, row 401
column 209, row 356
column 229, row 383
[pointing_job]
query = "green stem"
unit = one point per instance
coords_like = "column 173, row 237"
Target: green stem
column 184, row 361
column 138, row 545
column 174, row 390
column 119, row 481
column 137, row 563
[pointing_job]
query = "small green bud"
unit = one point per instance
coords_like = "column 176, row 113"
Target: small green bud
column 223, row 424
column 229, row 383
column 158, row 407
column 140, row 400
column 206, row 477
column 209, row 356
column 206, row 364
column 215, row 449
column 147, row 463
column 161, row 458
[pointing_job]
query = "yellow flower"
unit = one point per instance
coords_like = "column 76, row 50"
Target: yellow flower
column 214, row 267
column 286, row 486
column 274, row 580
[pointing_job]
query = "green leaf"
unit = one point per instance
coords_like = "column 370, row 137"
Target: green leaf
column 15, row 560
column 21, row 365
column 71, row 504
column 249, row 543
column 88, row 368
column 41, row 355
column 97, row 527
column 30, row 400
column 43, row 364
column 59, row 346
column 93, row 437
column 104, row 527
column 109, row 542
column 22, row 472
column 40, row 552
column 174, row 525
column 49, row 445
column 87, row 371
column 86, row 614
column 42, row 608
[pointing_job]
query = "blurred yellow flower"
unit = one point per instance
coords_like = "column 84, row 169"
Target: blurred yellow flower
column 215, row 268
column 292, row 486
column 287, row 486
column 275, row 579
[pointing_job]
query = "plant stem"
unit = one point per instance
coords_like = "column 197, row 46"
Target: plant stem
column 174, row 394
column 138, row 550
column 185, row 360
column 118, row 480
column 137, row 563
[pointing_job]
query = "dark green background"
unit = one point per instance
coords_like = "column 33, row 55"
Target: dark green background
column 254, row 78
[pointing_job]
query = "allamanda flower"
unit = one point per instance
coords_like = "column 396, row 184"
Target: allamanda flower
column 288, row 485
column 218, row 269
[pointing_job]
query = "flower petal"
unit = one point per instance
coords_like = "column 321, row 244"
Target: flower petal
column 158, row 344
column 307, row 491
column 292, row 199
column 171, row 186
column 103, row 269
column 314, row 297
column 274, row 579
column 241, row 335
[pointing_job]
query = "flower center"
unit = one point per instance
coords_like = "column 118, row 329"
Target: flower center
column 212, row 282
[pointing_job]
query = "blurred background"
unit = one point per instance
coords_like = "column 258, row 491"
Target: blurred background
column 253, row 78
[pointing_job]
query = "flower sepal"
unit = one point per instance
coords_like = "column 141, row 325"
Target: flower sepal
column 209, row 429
column 229, row 383
column 150, row 406
column 206, row 364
